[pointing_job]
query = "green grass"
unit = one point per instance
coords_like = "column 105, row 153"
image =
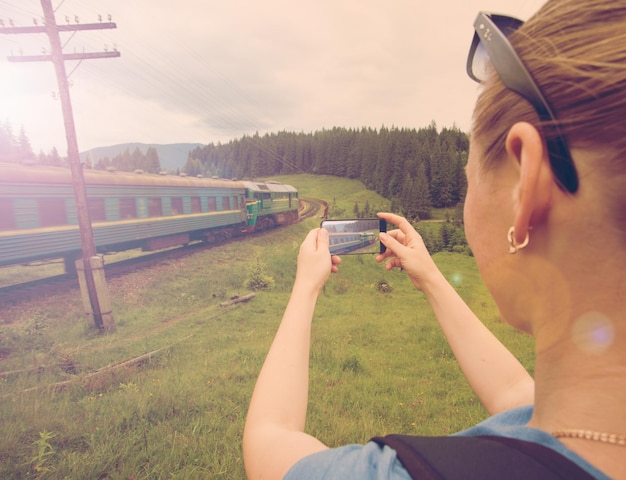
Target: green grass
column 343, row 191
column 11, row 275
column 15, row 274
column 379, row 363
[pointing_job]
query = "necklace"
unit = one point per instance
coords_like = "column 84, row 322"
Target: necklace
column 612, row 438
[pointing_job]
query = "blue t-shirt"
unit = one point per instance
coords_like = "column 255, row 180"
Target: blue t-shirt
column 371, row 462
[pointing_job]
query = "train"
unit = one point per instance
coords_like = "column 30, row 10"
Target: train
column 129, row 210
column 342, row 243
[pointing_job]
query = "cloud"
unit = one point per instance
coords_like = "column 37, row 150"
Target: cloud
column 207, row 70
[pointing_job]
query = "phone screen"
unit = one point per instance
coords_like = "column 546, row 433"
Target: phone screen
column 355, row 236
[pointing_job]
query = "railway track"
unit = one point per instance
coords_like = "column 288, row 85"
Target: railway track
column 49, row 286
column 311, row 207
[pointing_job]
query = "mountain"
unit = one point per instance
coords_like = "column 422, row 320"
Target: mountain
column 171, row 157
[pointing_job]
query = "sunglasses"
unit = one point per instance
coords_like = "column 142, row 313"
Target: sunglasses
column 492, row 47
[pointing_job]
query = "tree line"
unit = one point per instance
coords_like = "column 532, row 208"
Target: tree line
column 128, row 161
column 17, row 149
column 417, row 169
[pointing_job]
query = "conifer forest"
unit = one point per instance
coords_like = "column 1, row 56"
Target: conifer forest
column 417, row 169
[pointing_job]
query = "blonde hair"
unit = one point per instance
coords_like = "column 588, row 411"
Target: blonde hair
column 576, row 52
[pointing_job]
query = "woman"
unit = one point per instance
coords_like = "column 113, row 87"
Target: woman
column 544, row 218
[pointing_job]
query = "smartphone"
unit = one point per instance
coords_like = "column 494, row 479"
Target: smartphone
column 356, row 236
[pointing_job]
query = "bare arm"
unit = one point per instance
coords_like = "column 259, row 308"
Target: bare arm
column 495, row 375
column 274, row 437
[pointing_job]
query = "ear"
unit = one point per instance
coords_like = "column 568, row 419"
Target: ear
column 525, row 147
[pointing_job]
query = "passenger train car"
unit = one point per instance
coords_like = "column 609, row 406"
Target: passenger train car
column 342, row 243
column 38, row 215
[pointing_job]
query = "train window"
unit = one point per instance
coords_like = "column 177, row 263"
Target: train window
column 177, row 206
column 212, row 204
column 97, row 211
column 155, row 207
column 51, row 212
column 128, row 208
column 7, row 219
column 196, row 205
column 225, row 203
column 236, row 205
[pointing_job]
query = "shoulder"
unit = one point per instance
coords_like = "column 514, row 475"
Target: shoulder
column 513, row 424
column 510, row 423
column 375, row 462
column 368, row 462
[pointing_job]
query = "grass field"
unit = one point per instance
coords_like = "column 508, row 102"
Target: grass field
column 379, row 363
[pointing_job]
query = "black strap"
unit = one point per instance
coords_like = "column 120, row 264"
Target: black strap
column 480, row 458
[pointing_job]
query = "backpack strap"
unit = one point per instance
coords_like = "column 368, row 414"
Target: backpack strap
column 481, row 457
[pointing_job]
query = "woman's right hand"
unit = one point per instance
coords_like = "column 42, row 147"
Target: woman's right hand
column 315, row 263
column 406, row 250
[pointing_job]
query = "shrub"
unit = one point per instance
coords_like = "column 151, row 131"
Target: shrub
column 341, row 285
column 258, row 279
column 352, row 364
column 383, row 286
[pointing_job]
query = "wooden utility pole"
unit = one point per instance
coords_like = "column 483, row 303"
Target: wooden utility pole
column 93, row 288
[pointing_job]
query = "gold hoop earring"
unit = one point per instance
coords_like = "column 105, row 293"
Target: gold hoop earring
column 513, row 245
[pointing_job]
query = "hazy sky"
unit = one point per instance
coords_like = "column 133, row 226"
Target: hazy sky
column 208, row 71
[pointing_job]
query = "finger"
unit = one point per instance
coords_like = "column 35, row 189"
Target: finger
column 395, row 262
column 402, row 223
column 391, row 243
column 392, row 218
column 392, row 252
column 310, row 241
column 323, row 239
column 381, row 256
column 398, row 235
column 387, row 242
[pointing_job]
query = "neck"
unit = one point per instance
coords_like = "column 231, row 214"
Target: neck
column 579, row 384
column 580, row 337
column 580, row 390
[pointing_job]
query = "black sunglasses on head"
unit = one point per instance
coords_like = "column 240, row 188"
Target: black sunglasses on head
column 491, row 46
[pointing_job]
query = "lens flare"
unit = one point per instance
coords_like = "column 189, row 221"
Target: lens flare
column 593, row 332
column 456, row 279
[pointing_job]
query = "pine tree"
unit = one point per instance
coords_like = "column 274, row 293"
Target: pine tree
column 53, row 158
column 24, row 150
column 422, row 200
column 136, row 160
column 6, row 142
column 151, row 162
